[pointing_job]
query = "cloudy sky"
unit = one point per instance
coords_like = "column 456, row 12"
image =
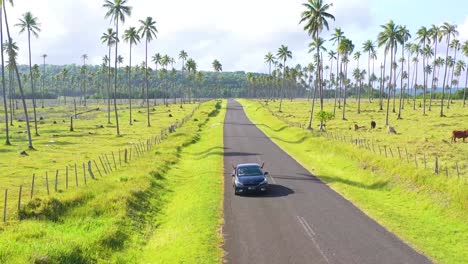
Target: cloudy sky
column 238, row 33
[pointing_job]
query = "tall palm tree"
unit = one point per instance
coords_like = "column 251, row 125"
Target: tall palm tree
column 116, row 11
column 409, row 53
column 44, row 56
column 423, row 35
column 447, row 31
column 191, row 66
column 415, row 49
column 283, row 54
column 337, row 36
column 182, row 56
column 358, row 73
column 269, row 59
column 455, row 45
column 147, row 31
column 435, row 34
column 316, row 18
column 314, row 45
column 131, row 36
column 345, row 48
column 217, row 67
column 5, row 105
column 405, row 36
column 84, row 57
column 390, row 38
column 28, row 23
column 465, row 52
column 369, row 47
column 109, row 38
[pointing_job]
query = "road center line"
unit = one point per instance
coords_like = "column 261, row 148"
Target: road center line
column 310, row 233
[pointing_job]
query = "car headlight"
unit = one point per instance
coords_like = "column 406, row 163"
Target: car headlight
column 265, row 181
column 238, row 183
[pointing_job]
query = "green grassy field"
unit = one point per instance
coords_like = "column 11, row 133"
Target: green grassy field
column 422, row 135
column 128, row 216
column 57, row 147
column 427, row 211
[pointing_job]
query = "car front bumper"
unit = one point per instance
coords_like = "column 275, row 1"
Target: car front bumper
column 249, row 189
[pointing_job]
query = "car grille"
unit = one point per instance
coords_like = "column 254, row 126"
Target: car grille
column 251, row 183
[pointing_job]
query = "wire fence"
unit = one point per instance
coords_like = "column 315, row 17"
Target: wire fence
column 433, row 163
column 80, row 174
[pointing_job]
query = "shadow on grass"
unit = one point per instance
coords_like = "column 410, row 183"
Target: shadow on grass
column 375, row 186
column 257, row 125
column 228, row 154
column 207, row 151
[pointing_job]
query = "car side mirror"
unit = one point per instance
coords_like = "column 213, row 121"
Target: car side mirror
column 233, row 175
column 266, row 173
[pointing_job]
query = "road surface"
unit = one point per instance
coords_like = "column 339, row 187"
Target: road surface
column 300, row 220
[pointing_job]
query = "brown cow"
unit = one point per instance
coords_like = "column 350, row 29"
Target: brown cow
column 459, row 134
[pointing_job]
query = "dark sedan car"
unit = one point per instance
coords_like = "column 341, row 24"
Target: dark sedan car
column 249, row 177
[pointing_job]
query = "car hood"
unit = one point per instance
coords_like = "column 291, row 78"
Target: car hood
column 251, row 179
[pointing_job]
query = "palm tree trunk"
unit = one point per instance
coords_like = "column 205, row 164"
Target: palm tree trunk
column 146, row 83
column 466, row 88
column 402, row 91
column 433, row 77
column 415, row 86
column 15, row 67
column 43, row 82
column 344, row 91
column 5, row 105
column 32, row 84
column 108, row 88
column 389, row 84
column 312, row 107
column 336, row 81
column 282, row 86
column 383, row 81
column 130, row 84
column 451, row 80
column 115, row 78
column 445, row 77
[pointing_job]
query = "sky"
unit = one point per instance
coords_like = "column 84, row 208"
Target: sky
column 238, row 33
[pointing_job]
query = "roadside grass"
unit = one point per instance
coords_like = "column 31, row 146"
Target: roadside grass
column 113, row 219
column 57, row 147
column 428, row 135
column 425, row 210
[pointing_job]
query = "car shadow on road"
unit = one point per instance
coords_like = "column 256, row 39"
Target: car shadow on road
column 274, row 190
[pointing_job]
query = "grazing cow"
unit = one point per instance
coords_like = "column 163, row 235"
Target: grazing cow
column 373, row 124
column 356, row 127
column 459, row 134
column 391, row 130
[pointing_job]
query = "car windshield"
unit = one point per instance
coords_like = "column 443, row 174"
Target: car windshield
column 249, row 171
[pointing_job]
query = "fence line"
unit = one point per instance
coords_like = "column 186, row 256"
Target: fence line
column 89, row 168
column 438, row 168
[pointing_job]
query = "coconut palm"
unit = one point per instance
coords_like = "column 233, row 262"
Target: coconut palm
column 390, row 38
column 405, row 36
column 28, row 23
column 316, row 18
column 427, row 53
column 44, row 56
column 191, row 66
column 369, row 47
column 455, row 45
column 117, row 10
column 84, row 57
column 415, row 49
column 435, row 34
column 345, row 48
column 109, row 38
column 448, row 31
column 217, row 67
column 465, row 52
column 337, row 36
column 182, row 56
column 148, row 32
column 131, row 36
column 314, row 45
column 283, row 54
column 424, row 37
column 5, row 105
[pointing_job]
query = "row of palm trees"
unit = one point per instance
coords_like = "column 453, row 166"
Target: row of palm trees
column 116, row 11
column 391, row 39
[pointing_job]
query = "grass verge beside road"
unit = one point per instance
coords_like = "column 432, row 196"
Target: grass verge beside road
column 428, row 212
column 115, row 219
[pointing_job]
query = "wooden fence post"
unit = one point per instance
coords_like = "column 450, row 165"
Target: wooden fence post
column 84, row 174
column 47, row 182
column 102, row 163
column 125, row 155
column 399, row 153
column 32, row 185
column 130, row 154
column 5, row 206
column 97, row 167
column 458, row 171
column 90, row 169
column 415, row 160
column 425, row 162
column 19, row 198
column 120, row 159
column 446, row 171
column 76, row 175
column 407, row 156
column 108, row 163
column 385, row 148
column 56, row 180
column 436, row 166
column 391, row 152
column 113, row 158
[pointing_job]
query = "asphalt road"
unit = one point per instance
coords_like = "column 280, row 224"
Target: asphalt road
column 300, row 220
